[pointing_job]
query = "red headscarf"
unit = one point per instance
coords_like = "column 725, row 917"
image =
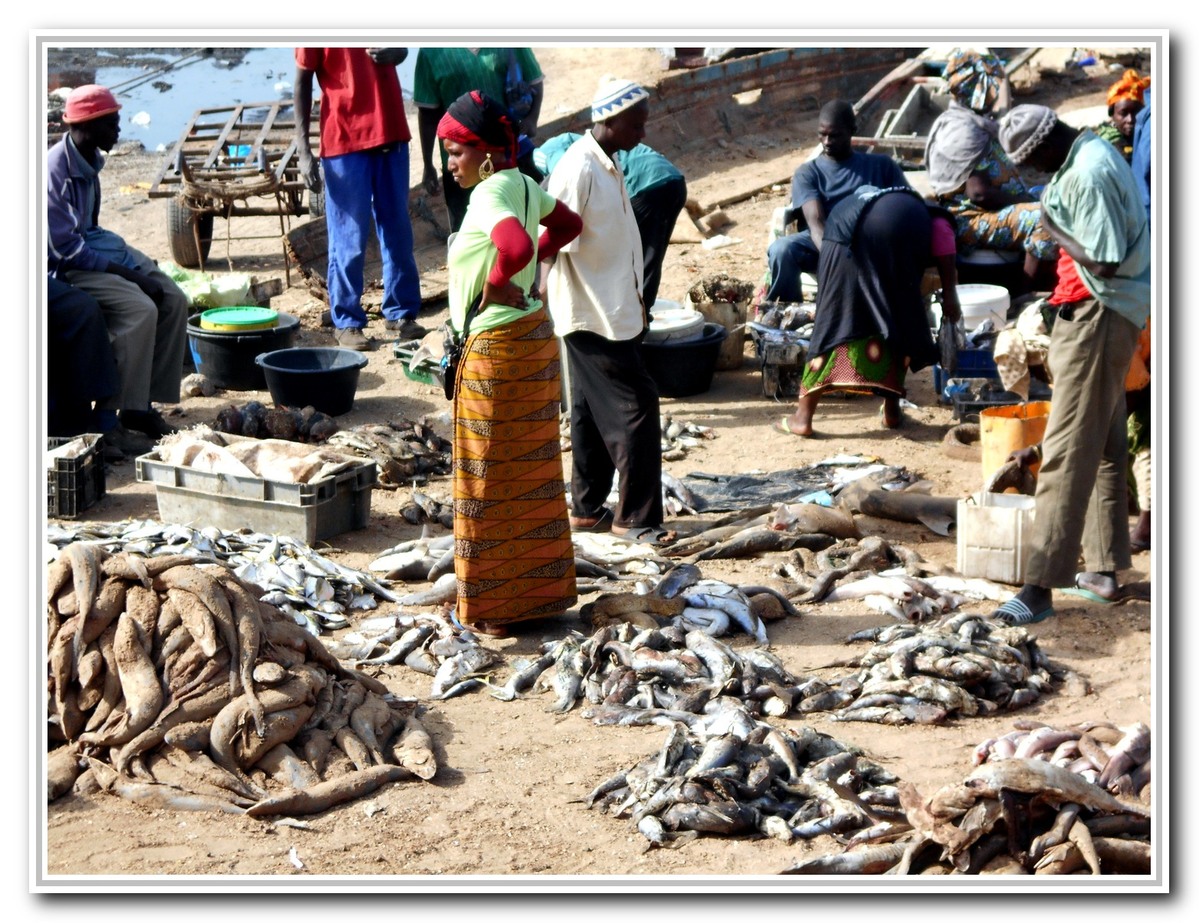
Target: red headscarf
column 480, row 122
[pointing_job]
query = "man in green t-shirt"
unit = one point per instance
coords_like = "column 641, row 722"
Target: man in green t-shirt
column 444, row 74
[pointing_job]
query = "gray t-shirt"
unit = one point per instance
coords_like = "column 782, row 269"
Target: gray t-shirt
column 832, row 180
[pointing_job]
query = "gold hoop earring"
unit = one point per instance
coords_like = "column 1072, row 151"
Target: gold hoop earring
column 486, row 168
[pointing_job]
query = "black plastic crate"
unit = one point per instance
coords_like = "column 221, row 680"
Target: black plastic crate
column 75, row 484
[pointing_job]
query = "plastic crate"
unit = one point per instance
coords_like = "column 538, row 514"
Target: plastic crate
column 993, row 532
column 972, row 363
column 312, row 511
column 75, row 484
column 424, row 372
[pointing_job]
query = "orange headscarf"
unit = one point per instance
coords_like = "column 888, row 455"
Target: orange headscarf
column 1131, row 86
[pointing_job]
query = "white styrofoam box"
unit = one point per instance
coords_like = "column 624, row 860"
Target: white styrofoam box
column 994, row 531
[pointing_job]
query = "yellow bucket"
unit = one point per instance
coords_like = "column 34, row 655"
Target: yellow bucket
column 1003, row 430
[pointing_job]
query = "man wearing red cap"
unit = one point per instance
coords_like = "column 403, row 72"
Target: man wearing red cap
column 146, row 312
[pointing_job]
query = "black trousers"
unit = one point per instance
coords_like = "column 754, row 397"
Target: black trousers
column 615, row 428
column 80, row 368
column 656, row 211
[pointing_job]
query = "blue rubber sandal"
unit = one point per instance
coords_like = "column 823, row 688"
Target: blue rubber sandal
column 1016, row 612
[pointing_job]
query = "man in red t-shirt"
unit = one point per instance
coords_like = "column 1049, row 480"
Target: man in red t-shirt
column 364, row 159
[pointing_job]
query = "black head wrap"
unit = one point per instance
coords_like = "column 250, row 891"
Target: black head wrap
column 479, row 121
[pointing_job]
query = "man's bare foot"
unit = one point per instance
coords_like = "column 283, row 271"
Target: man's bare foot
column 1103, row 585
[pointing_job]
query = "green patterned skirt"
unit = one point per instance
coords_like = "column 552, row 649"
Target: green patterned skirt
column 868, row 365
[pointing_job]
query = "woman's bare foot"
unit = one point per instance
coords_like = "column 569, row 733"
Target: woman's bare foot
column 491, row 629
column 892, row 415
column 800, row 422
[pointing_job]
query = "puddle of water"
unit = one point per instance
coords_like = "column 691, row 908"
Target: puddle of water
column 157, row 115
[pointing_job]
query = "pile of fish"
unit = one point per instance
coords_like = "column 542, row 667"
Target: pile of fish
column 256, row 420
column 1117, row 759
column 678, row 436
column 428, row 644
column 602, row 560
column 760, row 530
column 889, row 578
column 964, row 665
column 1013, row 815
column 405, row 451
column 729, row 773
column 625, row 675
column 310, row 588
column 171, row 685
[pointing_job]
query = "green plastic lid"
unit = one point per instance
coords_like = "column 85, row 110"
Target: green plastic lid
column 239, row 318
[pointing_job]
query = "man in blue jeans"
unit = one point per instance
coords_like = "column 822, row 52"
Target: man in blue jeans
column 364, row 154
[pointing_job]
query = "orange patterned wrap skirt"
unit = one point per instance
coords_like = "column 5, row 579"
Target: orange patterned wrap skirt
column 513, row 555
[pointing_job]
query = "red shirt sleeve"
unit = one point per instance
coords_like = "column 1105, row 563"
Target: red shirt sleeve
column 561, row 227
column 515, row 250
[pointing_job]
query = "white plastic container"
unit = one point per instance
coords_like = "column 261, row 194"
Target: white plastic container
column 673, row 323
column 980, row 301
column 993, row 533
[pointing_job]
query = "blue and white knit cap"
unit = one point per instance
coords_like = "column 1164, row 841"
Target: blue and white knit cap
column 615, row 96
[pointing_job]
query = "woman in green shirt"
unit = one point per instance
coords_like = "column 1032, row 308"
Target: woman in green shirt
column 514, row 558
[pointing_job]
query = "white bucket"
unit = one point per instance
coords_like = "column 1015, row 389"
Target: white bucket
column 982, row 301
column 673, row 323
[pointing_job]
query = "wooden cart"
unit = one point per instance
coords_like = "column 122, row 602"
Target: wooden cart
column 234, row 161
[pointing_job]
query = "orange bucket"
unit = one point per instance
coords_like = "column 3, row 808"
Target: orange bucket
column 1003, row 430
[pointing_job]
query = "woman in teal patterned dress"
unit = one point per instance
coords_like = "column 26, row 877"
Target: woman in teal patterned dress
column 970, row 174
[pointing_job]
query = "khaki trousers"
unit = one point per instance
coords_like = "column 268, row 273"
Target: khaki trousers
column 1082, row 490
column 147, row 341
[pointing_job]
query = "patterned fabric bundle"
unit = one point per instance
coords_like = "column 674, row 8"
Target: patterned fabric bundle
column 514, row 558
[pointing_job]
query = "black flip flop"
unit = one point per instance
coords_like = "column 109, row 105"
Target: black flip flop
column 649, row 535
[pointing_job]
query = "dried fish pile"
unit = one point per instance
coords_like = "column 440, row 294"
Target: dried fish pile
column 255, row 419
column 1013, row 816
column 313, row 590
column 405, row 451
column 731, row 774
column 962, row 666
column 175, row 687
column 1117, row 759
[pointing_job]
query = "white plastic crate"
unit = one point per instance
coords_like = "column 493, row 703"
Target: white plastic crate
column 994, row 531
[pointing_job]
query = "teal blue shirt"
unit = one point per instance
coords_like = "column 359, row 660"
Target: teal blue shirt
column 1094, row 198
column 643, row 167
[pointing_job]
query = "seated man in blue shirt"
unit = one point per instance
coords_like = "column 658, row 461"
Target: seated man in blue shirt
column 146, row 312
column 818, row 185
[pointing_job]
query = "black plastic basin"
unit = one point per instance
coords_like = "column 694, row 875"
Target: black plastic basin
column 683, row 369
column 227, row 359
column 325, row 377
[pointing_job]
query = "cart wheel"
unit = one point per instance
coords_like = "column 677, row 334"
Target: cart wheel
column 316, row 204
column 180, row 223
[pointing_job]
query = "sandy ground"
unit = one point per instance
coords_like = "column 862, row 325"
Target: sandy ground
column 507, row 801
